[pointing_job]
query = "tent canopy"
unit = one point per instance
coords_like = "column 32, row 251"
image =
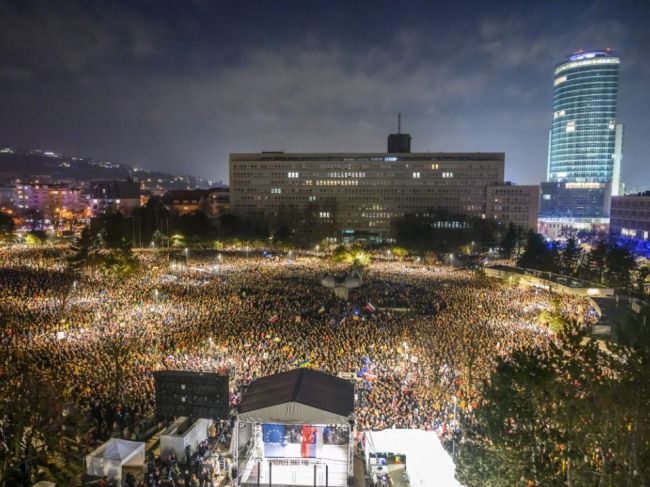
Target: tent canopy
column 427, row 462
column 299, row 396
column 110, row 457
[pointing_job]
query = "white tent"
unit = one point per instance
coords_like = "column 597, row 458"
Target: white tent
column 172, row 442
column 44, row 483
column 109, row 458
column 427, row 462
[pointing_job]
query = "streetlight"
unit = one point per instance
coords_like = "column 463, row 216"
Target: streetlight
column 155, row 294
column 247, row 251
column 317, row 249
column 187, row 256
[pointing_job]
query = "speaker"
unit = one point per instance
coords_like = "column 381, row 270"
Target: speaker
column 192, row 394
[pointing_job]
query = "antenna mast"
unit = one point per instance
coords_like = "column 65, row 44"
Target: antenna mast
column 399, row 123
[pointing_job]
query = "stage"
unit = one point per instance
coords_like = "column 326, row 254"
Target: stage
column 294, row 429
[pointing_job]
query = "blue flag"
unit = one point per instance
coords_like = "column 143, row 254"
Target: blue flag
column 273, row 433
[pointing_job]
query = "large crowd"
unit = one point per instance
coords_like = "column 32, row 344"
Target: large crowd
column 418, row 340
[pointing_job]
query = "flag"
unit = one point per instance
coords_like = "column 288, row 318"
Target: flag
column 393, row 404
column 274, row 319
column 369, row 376
column 273, row 433
column 308, row 443
column 370, row 308
column 298, row 318
column 305, row 363
column 321, row 309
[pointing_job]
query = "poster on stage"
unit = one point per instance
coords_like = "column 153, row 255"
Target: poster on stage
column 301, row 441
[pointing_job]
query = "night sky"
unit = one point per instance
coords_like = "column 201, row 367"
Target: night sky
column 177, row 85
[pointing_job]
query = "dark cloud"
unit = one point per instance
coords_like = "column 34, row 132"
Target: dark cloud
column 179, row 88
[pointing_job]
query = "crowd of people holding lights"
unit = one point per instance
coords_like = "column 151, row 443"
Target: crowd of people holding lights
column 418, row 339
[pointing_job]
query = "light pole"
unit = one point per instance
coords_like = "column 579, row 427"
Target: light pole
column 155, row 294
column 247, row 251
column 187, row 256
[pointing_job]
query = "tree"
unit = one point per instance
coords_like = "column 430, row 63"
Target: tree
column 194, row 226
column 32, row 422
column 620, row 267
column 7, row 226
column 35, row 237
column 597, row 262
column 541, row 420
column 536, row 254
column 510, row 240
column 570, row 258
column 399, row 252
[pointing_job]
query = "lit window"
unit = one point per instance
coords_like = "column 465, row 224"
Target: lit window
column 312, row 198
column 571, row 126
column 559, row 80
column 324, row 214
column 416, row 175
column 276, row 190
column 447, row 174
column 293, row 174
column 434, row 166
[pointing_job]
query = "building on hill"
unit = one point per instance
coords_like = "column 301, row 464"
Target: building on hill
column 108, row 197
column 50, row 201
column 218, row 201
column 185, row 201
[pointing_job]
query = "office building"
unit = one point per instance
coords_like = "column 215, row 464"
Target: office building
column 630, row 217
column 585, row 141
column 358, row 194
column 514, row 204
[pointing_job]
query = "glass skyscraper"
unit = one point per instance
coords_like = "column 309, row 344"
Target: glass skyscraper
column 585, row 140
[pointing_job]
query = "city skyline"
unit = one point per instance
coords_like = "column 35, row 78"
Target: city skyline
column 180, row 89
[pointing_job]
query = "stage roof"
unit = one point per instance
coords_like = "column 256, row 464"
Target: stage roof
column 299, row 396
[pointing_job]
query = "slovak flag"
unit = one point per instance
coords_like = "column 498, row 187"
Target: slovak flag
column 370, row 376
column 308, row 443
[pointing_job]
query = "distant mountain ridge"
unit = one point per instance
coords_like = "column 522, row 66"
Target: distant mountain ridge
column 30, row 164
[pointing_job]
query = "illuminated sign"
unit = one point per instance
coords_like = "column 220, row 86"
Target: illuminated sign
column 587, row 62
column 584, row 185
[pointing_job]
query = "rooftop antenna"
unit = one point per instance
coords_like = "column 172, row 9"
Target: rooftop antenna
column 399, row 123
